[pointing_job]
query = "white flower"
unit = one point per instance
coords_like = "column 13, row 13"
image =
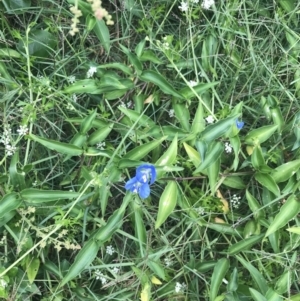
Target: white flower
column 193, row 83
column 116, row 270
column 228, row 148
column 179, row 287
column 171, row 113
column 110, row 250
column 74, row 97
column 184, row 6
column 71, row 79
column 101, row 146
column 195, row 1
column 210, row 119
column 3, row 283
column 22, row 130
column 200, row 210
column 100, row 276
column 168, row 261
column 206, row 4
column 91, row 72
column 235, row 201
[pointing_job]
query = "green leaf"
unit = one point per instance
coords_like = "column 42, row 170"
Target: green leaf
column 41, row 44
column 83, row 259
column 32, row 268
column 267, row 181
column 287, row 212
column 234, row 182
column 255, row 274
column 285, row 171
column 218, row 129
column 218, row 275
column 102, row 33
column 167, row 203
column 157, row 79
column 149, row 55
column 244, row 244
column 257, row 296
column 188, row 93
column 141, row 151
column 64, row 148
column 213, row 153
column 260, row 135
column 9, row 202
column 16, row 6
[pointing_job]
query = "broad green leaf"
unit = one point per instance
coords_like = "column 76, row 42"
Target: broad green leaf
column 32, row 268
column 143, row 120
column 218, row 129
column 64, row 148
column 213, row 171
column 42, row 43
column 182, row 114
column 257, row 296
column 213, row 153
column 192, row 154
column 244, row 244
column 258, row 161
column 234, row 182
column 17, row 178
column 33, row 195
column 188, row 93
column 294, row 230
column 141, row 151
column 167, row 203
column 149, row 55
column 83, row 86
column 102, row 33
column 168, row 157
column 267, row 181
column 9, row 202
column 16, row 6
column 255, row 274
column 134, row 60
column 100, row 134
column 285, row 171
column 254, row 206
column 82, row 261
column 218, row 275
column 157, row 79
column 287, row 212
column 260, row 135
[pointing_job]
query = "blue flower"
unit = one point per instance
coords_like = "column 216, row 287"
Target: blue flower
column 145, row 176
column 239, row 124
column 146, row 173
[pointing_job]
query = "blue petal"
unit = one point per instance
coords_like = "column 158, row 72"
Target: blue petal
column 145, row 172
column 144, row 191
column 240, row 124
column 132, row 184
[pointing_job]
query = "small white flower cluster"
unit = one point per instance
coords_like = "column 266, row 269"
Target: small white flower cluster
column 200, row 210
column 3, row 283
column 193, row 83
column 71, row 79
column 91, row 72
column 228, row 148
column 100, row 276
column 23, row 130
column 6, row 140
column 101, row 145
column 185, row 6
column 74, row 97
column 116, row 270
column 235, row 201
column 206, row 4
column 179, row 287
column 168, row 261
column 171, row 113
column 109, row 249
column 210, row 119
column 129, row 104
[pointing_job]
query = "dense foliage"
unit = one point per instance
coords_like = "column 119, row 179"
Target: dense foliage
column 149, row 150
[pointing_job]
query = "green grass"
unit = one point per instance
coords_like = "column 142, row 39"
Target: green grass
column 218, row 225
